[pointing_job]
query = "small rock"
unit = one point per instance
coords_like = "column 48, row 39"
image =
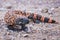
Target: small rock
column 25, row 35
column 50, row 13
column 44, row 10
column 52, row 8
column 44, row 39
column 7, row 5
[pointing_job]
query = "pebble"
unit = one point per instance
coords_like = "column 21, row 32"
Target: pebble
column 10, row 35
column 45, row 10
column 52, row 8
column 44, row 39
column 25, row 35
column 7, row 5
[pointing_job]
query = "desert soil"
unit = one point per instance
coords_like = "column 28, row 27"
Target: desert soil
column 41, row 31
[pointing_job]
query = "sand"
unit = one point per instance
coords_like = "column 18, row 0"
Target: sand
column 41, row 31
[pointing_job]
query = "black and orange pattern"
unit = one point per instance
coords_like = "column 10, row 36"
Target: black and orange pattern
column 11, row 16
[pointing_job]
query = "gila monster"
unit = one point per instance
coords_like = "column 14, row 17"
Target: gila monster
column 12, row 16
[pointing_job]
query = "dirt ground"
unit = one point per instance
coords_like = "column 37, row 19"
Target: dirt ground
column 41, row 31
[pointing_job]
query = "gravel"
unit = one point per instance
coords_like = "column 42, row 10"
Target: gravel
column 41, row 31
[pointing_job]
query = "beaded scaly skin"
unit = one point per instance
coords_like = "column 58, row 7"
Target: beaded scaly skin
column 11, row 16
